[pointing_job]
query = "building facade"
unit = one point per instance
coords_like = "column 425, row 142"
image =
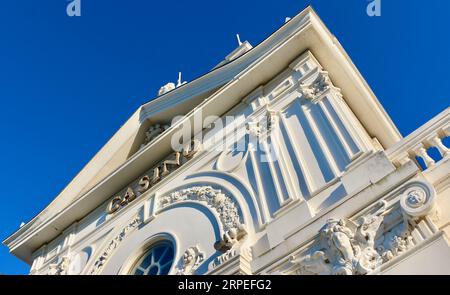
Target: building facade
column 280, row 160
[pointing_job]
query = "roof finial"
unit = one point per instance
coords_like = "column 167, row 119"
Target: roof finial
column 180, row 81
column 287, row 19
column 239, row 39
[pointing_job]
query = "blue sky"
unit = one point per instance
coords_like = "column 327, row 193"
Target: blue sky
column 67, row 84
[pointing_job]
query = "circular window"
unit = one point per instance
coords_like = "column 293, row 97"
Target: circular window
column 156, row 261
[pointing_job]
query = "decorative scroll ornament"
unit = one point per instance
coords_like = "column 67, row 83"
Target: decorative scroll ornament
column 223, row 205
column 418, row 200
column 112, row 245
column 321, row 84
column 192, row 258
column 348, row 248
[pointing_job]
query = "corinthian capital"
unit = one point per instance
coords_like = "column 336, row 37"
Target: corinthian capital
column 313, row 90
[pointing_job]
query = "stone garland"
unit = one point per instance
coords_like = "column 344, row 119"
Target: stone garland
column 223, row 205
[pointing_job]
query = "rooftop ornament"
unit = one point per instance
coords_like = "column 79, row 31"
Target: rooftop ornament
column 171, row 86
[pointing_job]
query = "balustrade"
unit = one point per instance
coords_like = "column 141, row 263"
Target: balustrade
column 417, row 145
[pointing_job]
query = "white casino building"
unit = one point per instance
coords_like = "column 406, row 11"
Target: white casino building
column 312, row 177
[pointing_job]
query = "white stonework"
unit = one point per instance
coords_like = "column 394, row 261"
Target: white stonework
column 317, row 180
column 191, row 260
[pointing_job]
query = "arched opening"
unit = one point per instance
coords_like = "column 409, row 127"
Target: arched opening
column 156, row 260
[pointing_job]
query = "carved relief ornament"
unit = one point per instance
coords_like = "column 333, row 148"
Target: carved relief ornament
column 221, row 204
column 346, row 247
column 312, row 91
column 191, row 260
column 113, row 244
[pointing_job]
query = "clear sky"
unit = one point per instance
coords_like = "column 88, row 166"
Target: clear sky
column 67, row 84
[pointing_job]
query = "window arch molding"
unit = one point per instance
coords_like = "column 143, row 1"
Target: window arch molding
column 138, row 254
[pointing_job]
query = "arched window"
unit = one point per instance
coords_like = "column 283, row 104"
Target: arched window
column 156, row 261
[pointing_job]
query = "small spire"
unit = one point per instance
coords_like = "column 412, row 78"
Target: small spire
column 239, row 39
column 179, row 79
column 287, row 19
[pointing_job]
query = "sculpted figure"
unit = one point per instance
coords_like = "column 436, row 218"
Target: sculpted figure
column 345, row 247
column 340, row 247
column 192, row 258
